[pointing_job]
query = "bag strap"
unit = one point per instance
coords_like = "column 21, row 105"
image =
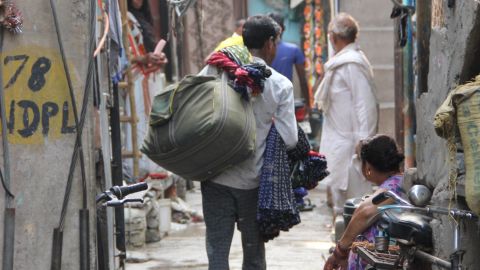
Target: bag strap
column 170, row 101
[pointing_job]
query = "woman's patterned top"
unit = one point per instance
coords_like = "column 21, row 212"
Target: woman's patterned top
column 394, row 183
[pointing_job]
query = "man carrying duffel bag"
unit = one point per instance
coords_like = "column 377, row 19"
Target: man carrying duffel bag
column 231, row 197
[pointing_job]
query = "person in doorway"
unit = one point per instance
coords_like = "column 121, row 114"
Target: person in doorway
column 143, row 36
column 235, row 39
column 231, row 198
column 289, row 55
column 381, row 160
column 141, row 11
column 346, row 96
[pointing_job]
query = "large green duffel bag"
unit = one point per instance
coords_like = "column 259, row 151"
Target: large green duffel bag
column 199, row 128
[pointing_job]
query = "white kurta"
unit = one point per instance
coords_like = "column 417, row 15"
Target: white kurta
column 347, row 98
column 276, row 102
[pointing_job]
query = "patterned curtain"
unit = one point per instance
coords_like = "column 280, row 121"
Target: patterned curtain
column 316, row 14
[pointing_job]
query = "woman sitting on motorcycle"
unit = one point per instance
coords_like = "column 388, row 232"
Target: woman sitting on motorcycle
column 381, row 161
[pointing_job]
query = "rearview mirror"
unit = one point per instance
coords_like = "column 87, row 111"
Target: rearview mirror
column 419, row 195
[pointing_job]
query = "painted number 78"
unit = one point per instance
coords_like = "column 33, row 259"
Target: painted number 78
column 39, row 69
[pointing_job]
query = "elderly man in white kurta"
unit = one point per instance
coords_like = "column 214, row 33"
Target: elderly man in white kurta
column 346, row 96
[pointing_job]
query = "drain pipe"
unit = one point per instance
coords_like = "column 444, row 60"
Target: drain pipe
column 409, row 96
column 9, row 214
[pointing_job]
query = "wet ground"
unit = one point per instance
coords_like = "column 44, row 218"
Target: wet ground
column 304, row 247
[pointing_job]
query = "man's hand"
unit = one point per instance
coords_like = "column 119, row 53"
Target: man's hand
column 150, row 60
column 156, row 60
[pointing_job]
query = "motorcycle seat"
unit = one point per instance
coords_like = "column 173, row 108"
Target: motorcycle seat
column 409, row 226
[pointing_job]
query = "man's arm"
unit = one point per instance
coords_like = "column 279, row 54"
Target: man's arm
column 362, row 219
column 285, row 121
column 300, row 68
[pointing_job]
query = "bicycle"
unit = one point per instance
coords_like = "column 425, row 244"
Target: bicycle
column 410, row 228
column 115, row 197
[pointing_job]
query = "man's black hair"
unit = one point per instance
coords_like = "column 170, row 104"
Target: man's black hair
column 278, row 18
column 259, row 29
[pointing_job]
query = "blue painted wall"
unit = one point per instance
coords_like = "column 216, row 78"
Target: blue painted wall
column 292, row 29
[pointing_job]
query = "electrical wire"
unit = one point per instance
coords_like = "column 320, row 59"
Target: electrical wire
column 5, row 186
column 4, row 133
column 79, row 121
column 106, row 19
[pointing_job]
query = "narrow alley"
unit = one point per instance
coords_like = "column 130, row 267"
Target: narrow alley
column 112, row 112
column 304, row 247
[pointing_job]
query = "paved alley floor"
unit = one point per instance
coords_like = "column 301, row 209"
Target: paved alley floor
column 304, row 247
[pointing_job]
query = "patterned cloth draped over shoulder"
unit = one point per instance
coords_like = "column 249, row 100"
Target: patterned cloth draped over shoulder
column 248, row 78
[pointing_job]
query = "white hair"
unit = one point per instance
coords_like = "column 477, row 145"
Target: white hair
column 344, row 26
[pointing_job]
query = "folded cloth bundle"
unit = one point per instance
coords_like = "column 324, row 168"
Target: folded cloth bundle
column 309, row 171
column 277, row 209
column 247, row 78
column 308, row 167
column 281, row 173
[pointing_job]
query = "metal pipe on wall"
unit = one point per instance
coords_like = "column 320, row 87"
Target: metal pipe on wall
column 9, row 215
column 399, row 98
column 409, row 103
column 424, row 20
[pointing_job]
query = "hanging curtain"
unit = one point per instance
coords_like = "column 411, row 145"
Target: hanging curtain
column 316, row 16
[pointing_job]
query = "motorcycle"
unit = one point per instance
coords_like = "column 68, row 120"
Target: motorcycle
column 311, row 123
column 114, row 197
column 405, row 237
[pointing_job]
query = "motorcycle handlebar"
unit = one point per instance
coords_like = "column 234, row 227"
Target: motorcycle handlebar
column 456, row 213
column 379, row 198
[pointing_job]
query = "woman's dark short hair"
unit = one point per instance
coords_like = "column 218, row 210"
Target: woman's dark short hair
column 259, row 29
column 382, row 153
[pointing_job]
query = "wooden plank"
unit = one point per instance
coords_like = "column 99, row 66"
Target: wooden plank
column 130, row 90
column 123, row 85
column 129, row 154
column 128, row 119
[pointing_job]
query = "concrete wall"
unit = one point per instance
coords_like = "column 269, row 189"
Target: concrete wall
column 206, row 26
column 376, row 40
column 40, row 158
column 453, row 50
column 293, row 31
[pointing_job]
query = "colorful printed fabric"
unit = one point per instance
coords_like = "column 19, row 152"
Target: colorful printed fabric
column 277, row 200
column 309, row 171
column 394, row 183
column 238, row 53
column 277, row 209
column 308, row 167
column 244, row 76
column 315, row 46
